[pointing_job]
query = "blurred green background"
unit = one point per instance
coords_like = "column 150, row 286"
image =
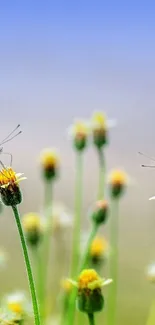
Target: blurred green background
column 63, row 60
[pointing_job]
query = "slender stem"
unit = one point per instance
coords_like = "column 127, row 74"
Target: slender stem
column 151, row 318
column 46, row 244
column 91, row 319
column 85, row 259
column 78, row 210
column 113, row 263
column 39, row 276
column 83, row 265
column 101, row 183
column 64, row 310
column 28, row 266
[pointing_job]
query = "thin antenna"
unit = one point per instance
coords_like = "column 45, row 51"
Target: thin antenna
column 143, row 154
column 11, row 133
column 148, row 166
column 7, row 140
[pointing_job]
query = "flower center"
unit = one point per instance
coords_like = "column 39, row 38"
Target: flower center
column 7, row 176
column 86, row 277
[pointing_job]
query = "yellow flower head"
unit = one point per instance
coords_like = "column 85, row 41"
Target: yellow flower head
column 89, row 279
column 80, row 129
column 15, row 307
column 49, row 158
column 118, row 180
column 79, row 132
column 99, row 121
column 118, row 177
column 31, row 222
column 89, row 286
column 98, row 247
column 9, row 177
column 66, row 285
column 9, row 186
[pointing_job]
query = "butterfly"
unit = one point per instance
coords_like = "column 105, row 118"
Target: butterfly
column 144, row 155
column 8, row 138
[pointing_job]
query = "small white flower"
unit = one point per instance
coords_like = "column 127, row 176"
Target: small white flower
column 61, row 218
column 151, row 273
column 18, row 304
column 152, row 198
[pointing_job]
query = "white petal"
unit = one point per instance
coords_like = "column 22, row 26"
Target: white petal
column 108, row 281
column 152, row 198
column 111, row 123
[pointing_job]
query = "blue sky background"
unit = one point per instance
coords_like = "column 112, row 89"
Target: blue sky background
column 64, row 59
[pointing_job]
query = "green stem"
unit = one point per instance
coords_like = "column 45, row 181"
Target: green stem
column 28, row 266
column 113, row 263
column 46, row 245
column 101, row 183
column 64, row 310
column 151, row 318
column 39, row 276
column 85, row 259
column 91, row 319
column 77, row 219
column 83, row 265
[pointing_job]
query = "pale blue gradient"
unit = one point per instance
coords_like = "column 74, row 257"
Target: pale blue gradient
column 64, row 59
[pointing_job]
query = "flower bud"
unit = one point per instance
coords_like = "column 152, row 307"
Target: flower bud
column 79, row 133
column 33, row 228
column 98, row 251
column 99, row 129
column 49, row 163
column 117, row 181
column 90, row 301
column 100, row 213
column 90, row 298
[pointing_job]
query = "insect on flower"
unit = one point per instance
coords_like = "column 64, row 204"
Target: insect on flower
column 8, row 138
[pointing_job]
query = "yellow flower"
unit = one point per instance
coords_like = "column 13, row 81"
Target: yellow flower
column 9, row 177
column 89, row 279
column 49, row 158
column 118, row 177
column 33, row 226
column 15, row 307
column 79, row 131
column 89, row 286
column 31, row 221
column 9, row 186
column 50, row 162
column 98, row 247
column 18, row 304
column 99, row 121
